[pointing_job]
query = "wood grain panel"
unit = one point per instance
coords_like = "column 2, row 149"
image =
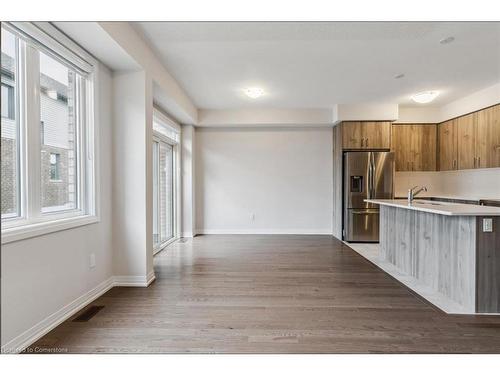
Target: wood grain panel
column 424, row 147
column 434, row 249
column 466, row 138
column 488, row 137
column 351, row 134
column 447, row 145
column 377, row 134
column 488, row 267
column 401, row 146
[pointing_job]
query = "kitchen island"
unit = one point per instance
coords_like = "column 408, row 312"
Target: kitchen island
column 449, row 253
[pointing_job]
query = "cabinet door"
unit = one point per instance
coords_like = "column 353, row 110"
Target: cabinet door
column 401, row 146
column 466, row 130
column 447, row 145
column 423, row 146
column 351, row 134
column 376, row 134
column 488, row 137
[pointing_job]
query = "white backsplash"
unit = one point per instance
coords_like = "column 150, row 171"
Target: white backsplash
column 467, row 184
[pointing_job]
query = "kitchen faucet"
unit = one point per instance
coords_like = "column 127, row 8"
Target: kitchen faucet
column 412, row 194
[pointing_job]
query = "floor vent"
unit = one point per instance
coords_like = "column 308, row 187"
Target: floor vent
column 88, row 314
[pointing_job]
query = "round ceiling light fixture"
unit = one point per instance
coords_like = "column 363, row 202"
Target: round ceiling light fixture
column 425, row 97
column 254, row 92
column 447, row 40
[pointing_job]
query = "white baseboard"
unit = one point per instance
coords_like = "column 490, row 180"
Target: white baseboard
column 266, row 231
column 187, row 234
column 28, row 337
column 137, row 281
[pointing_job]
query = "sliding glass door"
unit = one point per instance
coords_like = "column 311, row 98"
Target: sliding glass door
column 163, row 193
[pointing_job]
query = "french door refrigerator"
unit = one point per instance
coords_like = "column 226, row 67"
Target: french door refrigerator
column 367, row 175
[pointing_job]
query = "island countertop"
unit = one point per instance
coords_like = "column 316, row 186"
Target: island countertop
column 440, row 208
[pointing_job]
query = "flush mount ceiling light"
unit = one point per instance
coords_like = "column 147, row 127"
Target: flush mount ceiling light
column 425, row 97
column 254, row 92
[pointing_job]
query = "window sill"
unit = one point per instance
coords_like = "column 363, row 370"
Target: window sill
column 40, row 229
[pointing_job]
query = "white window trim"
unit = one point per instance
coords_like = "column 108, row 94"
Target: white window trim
column 161, row 117
column 51, row 38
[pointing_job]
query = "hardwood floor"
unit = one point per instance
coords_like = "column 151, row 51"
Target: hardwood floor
column 271, row 294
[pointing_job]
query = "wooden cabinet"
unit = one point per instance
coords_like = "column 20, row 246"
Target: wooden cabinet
column 424, row 147
column 414, row 146
column 366, row 135
column 351, row 135
column 471, row 141
column 466, row 138
column 447, row 145
column 488, row 137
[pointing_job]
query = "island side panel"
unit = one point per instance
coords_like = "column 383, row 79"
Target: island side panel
column 457, row 263
column 437, row 250
column 427, row 234
column 488, row 267
column 396, row 233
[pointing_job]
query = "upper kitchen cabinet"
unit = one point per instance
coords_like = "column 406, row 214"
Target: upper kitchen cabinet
column 366, row 135
column 471, row 141
column 351, row 135
column 424, row 147
column 447, row 135
column 488, row 137
column 466, row 138
column 414, row 146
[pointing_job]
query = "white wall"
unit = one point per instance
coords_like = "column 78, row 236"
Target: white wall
column 264, row 117
column 188, row 142
column 132, row 173
column 42, row 275
column 468, row 184
column 283, row 176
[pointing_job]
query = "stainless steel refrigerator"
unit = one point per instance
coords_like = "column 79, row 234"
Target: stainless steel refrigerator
column 367, row 175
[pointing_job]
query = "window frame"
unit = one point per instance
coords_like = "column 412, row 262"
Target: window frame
column 32, row 221
column 164, row 121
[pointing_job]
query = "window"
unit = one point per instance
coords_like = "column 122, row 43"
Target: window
column 54, row 167
column 165, row 180
column 10, row 196
column 7, row 101
column 52, row 179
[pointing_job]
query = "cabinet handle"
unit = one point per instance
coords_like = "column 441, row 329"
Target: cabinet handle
column 475, row 162
column 412, row 166
column 479, row 161
column 366, row 142
column 407, row 165
column 362, row 141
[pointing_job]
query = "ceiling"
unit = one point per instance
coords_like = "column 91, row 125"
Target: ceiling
column 319, row 64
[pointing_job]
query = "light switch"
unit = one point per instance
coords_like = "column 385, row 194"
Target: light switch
column 487, row 225
column 92, row 260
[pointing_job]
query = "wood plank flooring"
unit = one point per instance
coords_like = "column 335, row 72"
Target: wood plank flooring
column 270, row 294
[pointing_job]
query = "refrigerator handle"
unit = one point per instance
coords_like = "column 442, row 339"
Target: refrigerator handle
column 370, row 176
column 373, row 176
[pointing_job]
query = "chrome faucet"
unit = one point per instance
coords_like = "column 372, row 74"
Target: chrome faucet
column 412, row 194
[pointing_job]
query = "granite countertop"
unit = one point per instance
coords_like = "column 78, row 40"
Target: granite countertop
column 441, row 208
